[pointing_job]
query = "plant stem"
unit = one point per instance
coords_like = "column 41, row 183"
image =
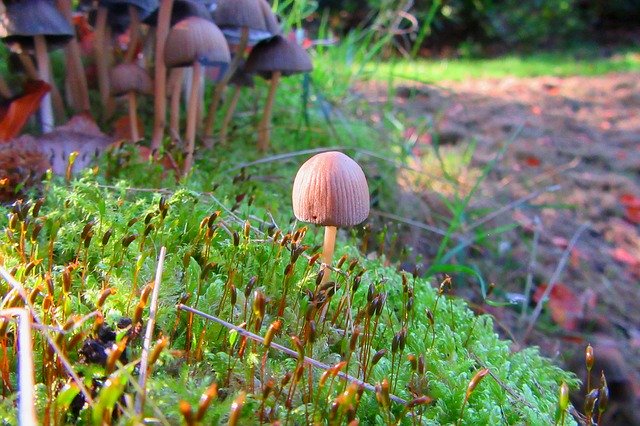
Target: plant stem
column 134, row 34
column 133, row 116
column 327, row 250
column 219, row 89
column 101, row 57
column 42, row 57
column 175, row 85
column 78, row 89
column 229, row 114
column 265, row 123
column 191, row 118
column 160, row 77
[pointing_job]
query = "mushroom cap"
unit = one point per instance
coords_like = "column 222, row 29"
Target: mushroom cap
column 278, row 54
column 330, row 189
column 241, row 77
column 144, row 6
column 181, row 9
column 129, row 77
column 232, row 15
column 196, row 39
column 22, row 20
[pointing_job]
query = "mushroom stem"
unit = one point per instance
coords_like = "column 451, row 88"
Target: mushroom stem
column 133, row 116
column 46, row 110
column 5, row 92
column 102, row 64
column 229, row 114
column 192, row 113
column 265, row 124
column 79, row 89
column 33, row 74
column 134, row 34
column 219, row 89
column 327, row 250
column 160, row 77
column 175, row 85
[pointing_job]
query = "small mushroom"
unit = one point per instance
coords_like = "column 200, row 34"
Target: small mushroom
column 192, row 42
column 243, row 23
column 271, row 59
column 131, row 79
column 330, row 189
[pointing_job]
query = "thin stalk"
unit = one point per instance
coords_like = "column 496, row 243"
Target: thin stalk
column 327, row 250
column 233, row 103
column 191, row 118
column 42, row 57
column 210, row 123
column 79, row 90
column 144, row 358
column 175, row 85
column 102, row 63
column 264, row 127
column 160, row 76
column 134, row 34
column 133, row 116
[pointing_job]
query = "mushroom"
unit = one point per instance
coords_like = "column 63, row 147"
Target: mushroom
column 36, row 25
column 240, row 79
column 192, row 42
column 330, row 189
column 243, row 23
column 130, row 79
column 271, row 59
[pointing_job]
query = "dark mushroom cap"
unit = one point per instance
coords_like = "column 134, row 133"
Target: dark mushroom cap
column 278, row 54
column 182, row 9
column 129, row 77
column 22, row 20
column 241, row 77
column 144, row 6
column 256, row 15
column 330, row 189
column 196, row 39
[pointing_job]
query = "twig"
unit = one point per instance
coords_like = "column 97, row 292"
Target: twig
column 285, row 156
column 532, row 261
column 511, row 206
column 26, row 398
column 61, row 357
column 554, row 278
column 153, row 308
column 287, row 351
column 410, row 222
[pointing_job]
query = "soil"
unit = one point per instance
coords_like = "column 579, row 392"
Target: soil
column 571, row 157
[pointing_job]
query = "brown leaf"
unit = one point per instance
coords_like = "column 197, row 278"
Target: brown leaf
column 564, row 306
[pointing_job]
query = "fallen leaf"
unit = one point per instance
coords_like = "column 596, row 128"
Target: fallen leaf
column 632, row 214
column 623, row 256
column 564, row 305
column 531, row 161
column 122, row 128
column 629, row 200
column 14, row 117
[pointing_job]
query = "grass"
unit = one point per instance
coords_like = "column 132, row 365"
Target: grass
column 534, row 65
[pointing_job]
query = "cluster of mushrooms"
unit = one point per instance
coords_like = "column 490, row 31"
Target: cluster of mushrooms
column 170, row 43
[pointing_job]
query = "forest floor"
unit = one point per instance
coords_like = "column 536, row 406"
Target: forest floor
column 571, row 158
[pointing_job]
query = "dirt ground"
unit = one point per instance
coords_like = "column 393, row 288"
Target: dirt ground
column 573, row 159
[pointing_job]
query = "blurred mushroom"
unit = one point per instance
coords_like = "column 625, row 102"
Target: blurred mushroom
column 182, row 9
column 36, row 25
column 130, row 79
column 243, row 23
column 271, row 59
column 193, row 42
column 240, row 79
column 330, row 189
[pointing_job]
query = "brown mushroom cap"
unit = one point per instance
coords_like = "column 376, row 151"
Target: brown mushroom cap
column 256, row 15
column 330, row 189
column 195, row 39
column 278, row 54
column 128, row 77
column 22, row 20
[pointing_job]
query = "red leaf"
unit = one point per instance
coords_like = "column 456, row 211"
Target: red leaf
column 532, row 161
column 564, row 306
column 623, row 256
column 632, row 214
column 13, row 119
column 629, row 200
